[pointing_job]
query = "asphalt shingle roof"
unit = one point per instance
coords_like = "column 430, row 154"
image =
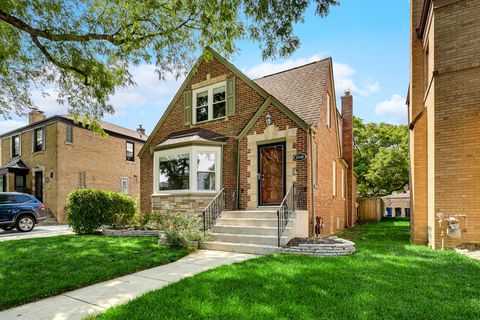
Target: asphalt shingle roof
column 300, row 89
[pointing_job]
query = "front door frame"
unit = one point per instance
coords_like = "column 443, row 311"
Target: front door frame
column 259, row 166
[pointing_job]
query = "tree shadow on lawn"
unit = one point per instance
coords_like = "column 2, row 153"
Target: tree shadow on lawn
column 387, row 280
column 32, row 269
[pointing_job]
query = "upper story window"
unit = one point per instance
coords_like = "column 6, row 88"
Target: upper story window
column 329, row 117
column 188, row 169
column 209, row 103
column 16, row 146
column 38, row 139
column 130, row 151
column 69, row 134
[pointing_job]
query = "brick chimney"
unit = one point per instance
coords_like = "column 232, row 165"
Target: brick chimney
column 35, row 115
column 347, row 143
column 141, row 130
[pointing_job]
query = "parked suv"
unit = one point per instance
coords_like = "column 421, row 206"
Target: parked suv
column 21, row 211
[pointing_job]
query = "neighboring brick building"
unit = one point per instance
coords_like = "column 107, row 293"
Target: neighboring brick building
column 224, row 130
column 51, row 157
column 444, row 116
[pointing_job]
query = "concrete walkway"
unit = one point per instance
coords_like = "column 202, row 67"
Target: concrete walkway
column 80, row 303
column 39, row 231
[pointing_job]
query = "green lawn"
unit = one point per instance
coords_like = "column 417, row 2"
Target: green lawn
column 36, row 268
column 386, row 279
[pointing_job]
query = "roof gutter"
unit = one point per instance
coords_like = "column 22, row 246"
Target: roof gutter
column 423, row 20
column 310, row 130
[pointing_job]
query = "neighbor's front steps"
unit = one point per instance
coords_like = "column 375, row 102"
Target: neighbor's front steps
column 251, row 231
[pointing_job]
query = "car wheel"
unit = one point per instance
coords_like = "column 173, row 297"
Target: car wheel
column 7, row 228
column 25, row 223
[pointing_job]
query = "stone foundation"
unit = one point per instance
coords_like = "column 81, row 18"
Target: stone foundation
column 342, row 248
column 187, row 203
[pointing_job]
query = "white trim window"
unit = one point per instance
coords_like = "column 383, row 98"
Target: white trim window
column 187, row 170
column 329, row 117
column 210, row 103
column 334, row 170
column 343, row 183
column 38, row 139
column 15, row 146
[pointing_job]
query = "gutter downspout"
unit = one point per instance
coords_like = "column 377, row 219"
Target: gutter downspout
column 238, row 176
column 311, row 181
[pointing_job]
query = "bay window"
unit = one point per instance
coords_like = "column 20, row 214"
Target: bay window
column 209, row 103
column 187, row 170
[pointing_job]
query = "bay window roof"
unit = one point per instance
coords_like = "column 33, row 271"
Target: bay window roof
column 194, row 136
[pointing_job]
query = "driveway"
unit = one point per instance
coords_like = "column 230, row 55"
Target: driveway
column 38, row 232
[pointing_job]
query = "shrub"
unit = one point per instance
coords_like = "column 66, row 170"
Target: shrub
column 88, row 209
column 181, row 229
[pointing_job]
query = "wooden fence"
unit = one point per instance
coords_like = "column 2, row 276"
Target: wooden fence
column 370, row 209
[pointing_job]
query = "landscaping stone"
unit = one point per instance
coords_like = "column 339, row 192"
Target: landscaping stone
column 129, row 233
column 324, row 247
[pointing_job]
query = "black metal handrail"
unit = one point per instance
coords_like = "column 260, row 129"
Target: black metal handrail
column 214, row 210
column 284, row 212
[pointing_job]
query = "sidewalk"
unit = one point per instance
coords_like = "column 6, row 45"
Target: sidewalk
column 79, row 303
column 40, row 231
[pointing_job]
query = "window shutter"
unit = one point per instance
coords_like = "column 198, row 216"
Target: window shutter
column 187, row 107
column 230, row 97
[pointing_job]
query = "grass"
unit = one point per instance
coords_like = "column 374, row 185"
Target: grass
column 32, row 269
column 385, row 279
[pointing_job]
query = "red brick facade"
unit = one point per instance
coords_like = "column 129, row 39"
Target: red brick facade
column 248, row 100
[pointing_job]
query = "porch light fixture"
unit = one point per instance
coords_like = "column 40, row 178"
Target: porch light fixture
column 268, row 119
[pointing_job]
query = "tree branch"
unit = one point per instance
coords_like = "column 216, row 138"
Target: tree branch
column 37, row 33
column 58, row 63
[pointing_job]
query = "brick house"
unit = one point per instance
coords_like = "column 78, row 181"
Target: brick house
column 253, row 140
column 51, row 157
column 444, row 116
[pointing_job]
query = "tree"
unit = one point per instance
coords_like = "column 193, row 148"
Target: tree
column 83, row 48
column 381, row 156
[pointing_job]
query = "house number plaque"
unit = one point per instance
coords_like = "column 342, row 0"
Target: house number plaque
column 300, row 157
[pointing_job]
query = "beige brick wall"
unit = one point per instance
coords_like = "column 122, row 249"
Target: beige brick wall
column 101, row 158
column 45, row 161
column 452, row 126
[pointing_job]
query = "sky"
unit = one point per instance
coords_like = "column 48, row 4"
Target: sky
column 368, row 41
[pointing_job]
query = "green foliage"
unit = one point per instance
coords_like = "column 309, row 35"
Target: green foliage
column 381, row 155
column 84, row 49
column 181, row 229
column 89, row 209
column 70, row 262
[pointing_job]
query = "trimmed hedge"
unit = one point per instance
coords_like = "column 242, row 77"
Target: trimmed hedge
column 89, row 209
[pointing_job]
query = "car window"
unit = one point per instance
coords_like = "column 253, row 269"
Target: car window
column 3, row 198
column 20, row 199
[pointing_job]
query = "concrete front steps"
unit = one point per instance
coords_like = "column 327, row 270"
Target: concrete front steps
column 252, row 231
column 50, row 221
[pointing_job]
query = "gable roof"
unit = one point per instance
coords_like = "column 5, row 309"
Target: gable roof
column 109, row 128
column 300, row 89
column 192, row 72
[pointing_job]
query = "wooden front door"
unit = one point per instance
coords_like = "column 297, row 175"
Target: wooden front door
column 272, row 174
